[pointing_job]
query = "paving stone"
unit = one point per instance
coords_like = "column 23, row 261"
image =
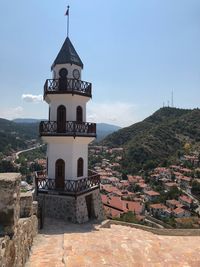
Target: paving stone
column 74, row 245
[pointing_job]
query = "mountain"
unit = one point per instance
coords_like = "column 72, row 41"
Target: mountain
column 104, row 129
column 22, row 120
column 157, row 139
column 14, row 136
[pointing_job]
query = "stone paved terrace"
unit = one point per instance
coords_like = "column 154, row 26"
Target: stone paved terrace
column 71, row 245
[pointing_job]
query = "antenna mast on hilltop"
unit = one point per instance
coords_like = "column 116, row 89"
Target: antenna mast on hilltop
column 172, row 104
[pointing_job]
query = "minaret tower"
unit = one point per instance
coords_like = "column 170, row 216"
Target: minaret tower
column 69, row 190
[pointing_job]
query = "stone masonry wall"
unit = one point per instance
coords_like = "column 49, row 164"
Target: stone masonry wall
column 97, row 207
column 16, row 233
column 58, row 207
column 70, row 208
column 9, row 202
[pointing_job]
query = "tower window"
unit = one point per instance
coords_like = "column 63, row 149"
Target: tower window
column 63, row 73
column 80, row 167
column 61, row 119
column 79, row 114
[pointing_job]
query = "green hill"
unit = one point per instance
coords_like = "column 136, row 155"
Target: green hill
column 104, row 129
column 14, row 136
column 157, row 139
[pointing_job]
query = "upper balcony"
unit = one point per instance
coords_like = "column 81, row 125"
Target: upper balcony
column 69, row 128
column 67, row 86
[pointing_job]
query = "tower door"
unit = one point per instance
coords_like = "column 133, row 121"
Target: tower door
column 60, row 174
column 90, row 207
column 61, row 119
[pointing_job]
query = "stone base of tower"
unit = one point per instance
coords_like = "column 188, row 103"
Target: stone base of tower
column 79, row 209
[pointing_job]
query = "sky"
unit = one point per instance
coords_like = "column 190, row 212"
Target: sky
column 135, row 53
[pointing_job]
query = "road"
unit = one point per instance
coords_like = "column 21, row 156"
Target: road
column 26, row 150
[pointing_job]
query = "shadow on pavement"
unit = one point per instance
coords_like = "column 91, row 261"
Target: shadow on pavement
column 57, row 227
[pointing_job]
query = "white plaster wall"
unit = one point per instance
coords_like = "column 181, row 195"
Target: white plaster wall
column 70, row 150
column 70, row 102
column 69, row 67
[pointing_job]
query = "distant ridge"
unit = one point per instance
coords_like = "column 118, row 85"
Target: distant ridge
column 158, row 139
column 21, row 120
column 15, row 134
column 104, row 129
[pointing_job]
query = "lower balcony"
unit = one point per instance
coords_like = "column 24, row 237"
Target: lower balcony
column 69, row 128
column 45, row 185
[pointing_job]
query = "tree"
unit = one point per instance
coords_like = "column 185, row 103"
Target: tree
column 196, row 187
column 187, row 148
column 7, row 166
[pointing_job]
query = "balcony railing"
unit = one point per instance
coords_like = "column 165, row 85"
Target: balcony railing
column 70, row 187
column 67, row 86
column 70, row 128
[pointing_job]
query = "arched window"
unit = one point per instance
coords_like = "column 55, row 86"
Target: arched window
column 60, row 173
column 79, row 114
column 61, row 119
column 80, row 167
column 62, row 85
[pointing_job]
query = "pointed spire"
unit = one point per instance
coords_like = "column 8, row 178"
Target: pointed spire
column 67, row 54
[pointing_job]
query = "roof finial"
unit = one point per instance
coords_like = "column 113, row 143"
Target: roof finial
column 67, row 14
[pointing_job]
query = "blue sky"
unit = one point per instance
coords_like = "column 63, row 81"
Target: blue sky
column 135, row 52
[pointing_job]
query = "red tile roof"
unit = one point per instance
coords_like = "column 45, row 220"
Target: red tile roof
column 113, row 213
column 158, row 206
column 178, row 211
column 135, row 207
column 173, row 202
column 152, row 193
column 171, row 184
column 186, row 199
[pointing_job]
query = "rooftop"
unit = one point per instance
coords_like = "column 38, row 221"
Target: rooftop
column 152, row 193
column 68, row 54
column 72, row 245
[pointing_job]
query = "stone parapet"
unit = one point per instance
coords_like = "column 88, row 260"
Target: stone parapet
column 9, row 201
column 27, row 229
column 35, row 208
column 16, row 233
column 15, row 252
column 26, row 204
column 157, row 231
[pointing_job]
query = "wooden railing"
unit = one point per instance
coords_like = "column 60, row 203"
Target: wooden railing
column 70, row 128
column 71, row 187
column 67, row 86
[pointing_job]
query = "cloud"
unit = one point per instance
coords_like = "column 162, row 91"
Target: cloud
column 11, row 113
column 119, row 113
column 32, row 98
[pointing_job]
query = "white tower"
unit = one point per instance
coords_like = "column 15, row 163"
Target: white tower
column 69, row 190
column 67, row 133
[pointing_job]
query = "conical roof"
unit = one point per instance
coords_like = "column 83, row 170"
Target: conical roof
column 67, row 54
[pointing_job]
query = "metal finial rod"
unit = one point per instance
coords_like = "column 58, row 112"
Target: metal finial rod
column 67, row 14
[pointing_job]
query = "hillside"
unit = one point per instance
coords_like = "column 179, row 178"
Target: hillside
column 21, row 120
column 157, row 139
column 104, row 129
column 14, row 136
